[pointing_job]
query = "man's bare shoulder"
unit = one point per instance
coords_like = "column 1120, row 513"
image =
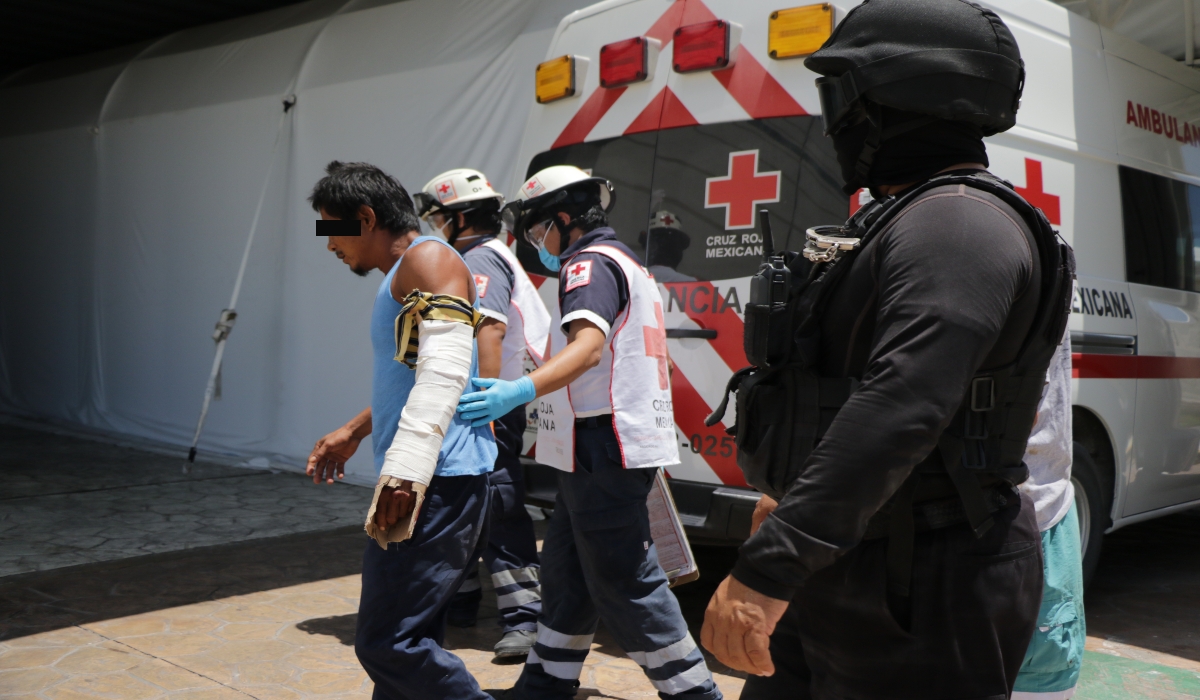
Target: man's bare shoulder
column 433, row 268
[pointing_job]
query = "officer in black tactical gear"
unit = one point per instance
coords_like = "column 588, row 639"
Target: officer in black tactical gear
column 897, row 367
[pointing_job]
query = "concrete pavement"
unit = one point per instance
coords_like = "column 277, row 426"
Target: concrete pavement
column 192, row 590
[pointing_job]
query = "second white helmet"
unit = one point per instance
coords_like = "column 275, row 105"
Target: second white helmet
column 455, row 189
column 550, row 186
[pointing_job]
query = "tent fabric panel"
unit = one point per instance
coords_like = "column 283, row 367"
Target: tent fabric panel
column 251, row 68
column 245, row 28
column 160, row 202
column 47, row 187
column 72, row 101
column 415, row 35
column 176, row 197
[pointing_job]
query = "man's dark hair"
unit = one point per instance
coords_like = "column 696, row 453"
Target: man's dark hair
column 583, row 206
column 348, row 186
column 485, row 217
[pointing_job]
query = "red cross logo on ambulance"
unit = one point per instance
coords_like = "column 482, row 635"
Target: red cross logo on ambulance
column 1046, row 183
column 742, row 189
column 445, row 191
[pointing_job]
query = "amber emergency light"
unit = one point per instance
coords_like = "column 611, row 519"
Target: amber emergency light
column 703, row 46
column 555, row 79
column 799, row 31
column 625, row 62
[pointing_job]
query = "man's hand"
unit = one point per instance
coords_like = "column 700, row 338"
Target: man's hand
column 738, row 625
column 330, row 454
column 394, row 505
column 765, row 506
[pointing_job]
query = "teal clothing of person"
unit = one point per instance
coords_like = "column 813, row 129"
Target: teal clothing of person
column 1052, row 662
column 466, row 451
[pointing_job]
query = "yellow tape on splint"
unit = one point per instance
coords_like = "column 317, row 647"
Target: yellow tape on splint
column 422, row 306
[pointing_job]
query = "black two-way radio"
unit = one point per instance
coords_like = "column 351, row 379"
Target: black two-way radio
column 768, row 324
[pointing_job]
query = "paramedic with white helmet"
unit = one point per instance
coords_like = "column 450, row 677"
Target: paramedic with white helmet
column 461, row 206
column 604, row 420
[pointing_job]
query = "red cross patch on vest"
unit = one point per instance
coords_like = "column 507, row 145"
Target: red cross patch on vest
column 579, row 274
column 481, row 283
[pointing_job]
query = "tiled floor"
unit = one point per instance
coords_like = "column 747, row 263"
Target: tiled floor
column 66, row 502
column 239, row 611
column 268, row 618
column 226, row 611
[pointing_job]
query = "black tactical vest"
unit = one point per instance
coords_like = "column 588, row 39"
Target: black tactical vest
column 784, row 405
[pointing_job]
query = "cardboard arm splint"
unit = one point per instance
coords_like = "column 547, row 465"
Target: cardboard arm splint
column 403, row 529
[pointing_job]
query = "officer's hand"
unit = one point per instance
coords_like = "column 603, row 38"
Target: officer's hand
column 765, row 506
column 330, row 454
column 738, row 625
column 498, row 398
column 394, row 505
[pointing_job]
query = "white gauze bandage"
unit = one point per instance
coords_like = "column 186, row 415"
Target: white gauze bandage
column 443, row 364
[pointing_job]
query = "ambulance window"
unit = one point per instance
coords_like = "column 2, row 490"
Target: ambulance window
column 1159, row 236
column 709, row 182
column 626, row 161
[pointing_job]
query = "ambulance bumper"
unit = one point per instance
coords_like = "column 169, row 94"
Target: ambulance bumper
column 711, row 513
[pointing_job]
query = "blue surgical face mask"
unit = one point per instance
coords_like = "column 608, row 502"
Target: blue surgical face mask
column 550, row 261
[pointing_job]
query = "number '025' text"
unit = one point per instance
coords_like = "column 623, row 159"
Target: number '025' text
column 709, row 446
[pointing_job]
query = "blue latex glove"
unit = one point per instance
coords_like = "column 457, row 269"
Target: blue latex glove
column 497, row 399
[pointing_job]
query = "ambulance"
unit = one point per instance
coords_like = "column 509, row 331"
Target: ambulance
column 701, row 112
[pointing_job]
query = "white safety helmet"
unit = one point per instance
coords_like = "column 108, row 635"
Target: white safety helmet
column 550, row 186
column 664, row 219
column 458, row 190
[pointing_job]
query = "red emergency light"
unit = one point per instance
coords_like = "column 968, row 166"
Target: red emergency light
column 703, row 46
column 624, row 62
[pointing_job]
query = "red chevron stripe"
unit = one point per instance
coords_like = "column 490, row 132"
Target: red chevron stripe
column 690, row 412
column 701, row 302
column 590, row 114
column 756, row 90
column 665, row 111
column 664, row 27
column 651, row 116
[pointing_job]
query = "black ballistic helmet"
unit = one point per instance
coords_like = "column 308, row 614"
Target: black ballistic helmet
column 945, row 59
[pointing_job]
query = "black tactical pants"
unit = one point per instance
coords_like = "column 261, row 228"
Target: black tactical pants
column 972, row 611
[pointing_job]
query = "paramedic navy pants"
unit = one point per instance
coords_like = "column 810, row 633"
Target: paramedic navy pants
column 973, row 607
column 405, row 591
column 510, row 550
column 600, row 563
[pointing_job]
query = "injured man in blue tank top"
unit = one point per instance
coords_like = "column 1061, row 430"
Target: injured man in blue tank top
column 430, row 503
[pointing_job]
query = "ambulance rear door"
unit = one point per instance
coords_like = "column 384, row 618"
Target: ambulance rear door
column 711, row 180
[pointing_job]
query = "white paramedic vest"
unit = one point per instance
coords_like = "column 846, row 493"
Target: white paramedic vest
column 634, row 369
column 528, row 319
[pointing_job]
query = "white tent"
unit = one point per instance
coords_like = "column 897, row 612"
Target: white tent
column 129, row 180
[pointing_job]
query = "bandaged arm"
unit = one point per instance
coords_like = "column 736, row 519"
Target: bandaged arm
column 443, row 364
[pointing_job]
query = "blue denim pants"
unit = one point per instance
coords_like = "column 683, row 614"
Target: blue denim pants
column 406, row 589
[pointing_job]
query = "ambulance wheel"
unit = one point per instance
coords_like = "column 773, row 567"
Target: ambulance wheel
column 1093, row 505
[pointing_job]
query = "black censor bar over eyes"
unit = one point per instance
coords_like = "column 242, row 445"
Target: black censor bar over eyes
column 339, row 227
